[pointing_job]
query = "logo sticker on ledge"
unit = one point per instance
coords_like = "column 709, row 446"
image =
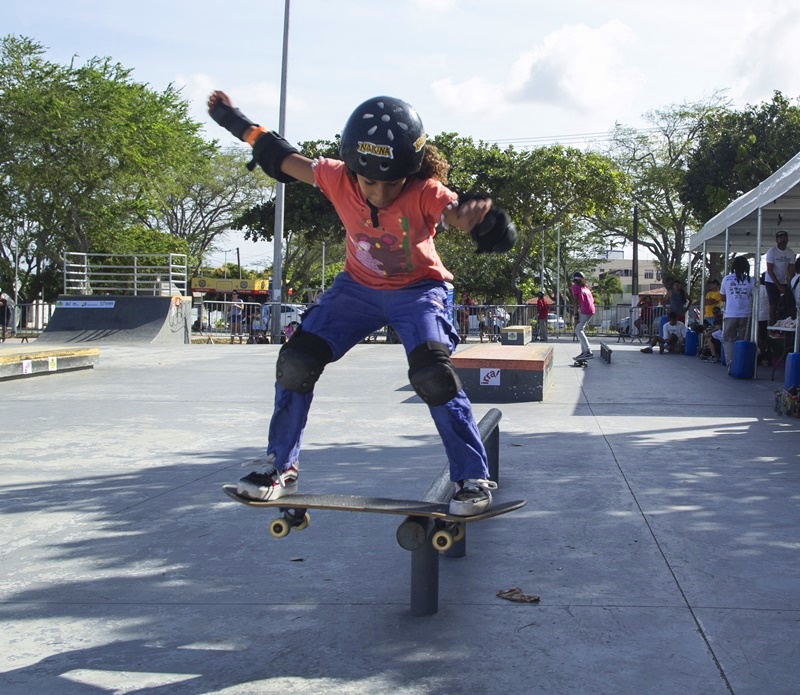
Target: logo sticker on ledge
column 490, row 377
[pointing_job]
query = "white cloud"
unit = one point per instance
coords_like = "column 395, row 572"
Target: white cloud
column 432, row 6
column 576, row 68
column 260, row 101
column 766, row 60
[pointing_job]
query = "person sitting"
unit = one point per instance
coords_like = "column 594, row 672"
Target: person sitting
column 712, row 342
column 672, row 337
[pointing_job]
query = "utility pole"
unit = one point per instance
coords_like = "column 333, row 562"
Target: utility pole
column 277, row 270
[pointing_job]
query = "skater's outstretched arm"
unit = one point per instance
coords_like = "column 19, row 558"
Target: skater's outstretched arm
column 271, row 151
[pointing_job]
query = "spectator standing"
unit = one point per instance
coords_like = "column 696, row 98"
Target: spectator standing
column 677, row 301
column 737, row 293
column 645, row 318
column 235, row 314
column 542, row 309
column 780, row 269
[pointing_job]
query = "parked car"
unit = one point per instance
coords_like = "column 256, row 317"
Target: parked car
column 555, row 322
column 290, row 313
column 624, row 326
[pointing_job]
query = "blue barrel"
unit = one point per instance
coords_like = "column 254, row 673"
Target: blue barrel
column 743, row 364
column 690, row 344
column 792, row 374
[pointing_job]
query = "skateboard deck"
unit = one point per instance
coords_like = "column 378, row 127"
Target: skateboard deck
column 579, row 363
column 374, row 505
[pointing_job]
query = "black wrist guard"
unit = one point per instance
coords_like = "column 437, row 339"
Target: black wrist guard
column 495, row 234
column 268, row 152
column 233, row 120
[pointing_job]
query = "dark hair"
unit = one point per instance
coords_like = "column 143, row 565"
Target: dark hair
column 434, row 165
column 741, row 266
column 672, row 315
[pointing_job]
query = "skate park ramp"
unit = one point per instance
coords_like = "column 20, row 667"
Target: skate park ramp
column 119, row 319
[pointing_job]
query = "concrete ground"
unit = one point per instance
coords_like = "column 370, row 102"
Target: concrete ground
column 661, row 533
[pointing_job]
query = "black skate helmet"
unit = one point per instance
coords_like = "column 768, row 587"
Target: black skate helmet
column 383, row 140
column 577, row 275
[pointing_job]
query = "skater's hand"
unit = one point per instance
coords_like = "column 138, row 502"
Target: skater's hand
column 468, row 214
column 217, row 97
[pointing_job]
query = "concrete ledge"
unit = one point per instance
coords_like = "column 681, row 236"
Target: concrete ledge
column 516, row 335
column 20, row 362
column 493, row 373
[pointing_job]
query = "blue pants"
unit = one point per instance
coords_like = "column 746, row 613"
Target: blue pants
column 346, row 314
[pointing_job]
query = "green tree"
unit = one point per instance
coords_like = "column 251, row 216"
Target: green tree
column 86, row 153
column 606, row 287
column 309, row 221
column 654, row 163
column 211, row 199
column 736, row 150
column 543, row 189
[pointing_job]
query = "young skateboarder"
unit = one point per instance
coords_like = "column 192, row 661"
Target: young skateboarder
column 389, row 193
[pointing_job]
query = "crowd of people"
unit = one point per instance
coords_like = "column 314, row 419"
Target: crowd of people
column 728, row 307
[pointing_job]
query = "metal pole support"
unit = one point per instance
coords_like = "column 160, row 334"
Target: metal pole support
column 414, row 533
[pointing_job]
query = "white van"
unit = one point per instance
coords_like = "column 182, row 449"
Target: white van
column 290, row 313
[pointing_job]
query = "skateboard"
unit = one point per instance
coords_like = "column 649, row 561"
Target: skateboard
column 294, row 510
column 579, row 363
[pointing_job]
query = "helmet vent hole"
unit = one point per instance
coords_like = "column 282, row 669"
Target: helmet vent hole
column 372, row 130
column 362, row 161
column 386, row 118
column 390, row 135
column 368, row 115
column 384, row 167
column 402, row 125
column 381, row 104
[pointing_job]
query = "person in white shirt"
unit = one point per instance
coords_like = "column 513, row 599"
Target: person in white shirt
column 672, row 337
column 737, row 293
column 780, row 269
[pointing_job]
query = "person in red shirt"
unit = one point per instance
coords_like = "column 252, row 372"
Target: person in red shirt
column 542, row 309
column 389, row 192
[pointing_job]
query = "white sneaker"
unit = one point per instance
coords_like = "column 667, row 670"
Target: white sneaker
column 472, row 496
column 268, row 483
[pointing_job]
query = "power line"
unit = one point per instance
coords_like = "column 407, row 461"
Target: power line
column 569, row 139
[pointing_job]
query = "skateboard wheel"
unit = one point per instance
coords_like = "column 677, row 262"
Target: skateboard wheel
column 442, row 540
column 303, row 524
column 459, row 532
column 279, row 528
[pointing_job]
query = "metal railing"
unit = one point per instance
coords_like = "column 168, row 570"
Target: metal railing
column 137, row 274
column 27, row 320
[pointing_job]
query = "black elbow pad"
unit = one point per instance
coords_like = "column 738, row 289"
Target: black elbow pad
column 269, row 151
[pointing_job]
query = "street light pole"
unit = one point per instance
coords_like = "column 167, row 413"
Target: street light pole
column 277, row 270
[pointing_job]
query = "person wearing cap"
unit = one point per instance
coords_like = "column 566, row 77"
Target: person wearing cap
column 542, row 309
column 780, row 270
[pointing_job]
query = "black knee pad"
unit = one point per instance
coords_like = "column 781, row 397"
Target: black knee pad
column 301, row 361
column 432, row 374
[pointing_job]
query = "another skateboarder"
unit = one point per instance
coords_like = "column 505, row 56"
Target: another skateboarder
column 390, row 195
column 584, row 310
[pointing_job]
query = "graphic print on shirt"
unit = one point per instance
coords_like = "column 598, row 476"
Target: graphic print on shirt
column 381, row 252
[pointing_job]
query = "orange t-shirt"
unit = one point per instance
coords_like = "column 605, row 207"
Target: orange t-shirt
column 400, row 251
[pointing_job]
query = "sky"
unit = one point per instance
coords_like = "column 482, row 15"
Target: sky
column 522, row 72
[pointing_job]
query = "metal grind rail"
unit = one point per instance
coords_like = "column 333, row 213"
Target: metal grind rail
column 415, row 533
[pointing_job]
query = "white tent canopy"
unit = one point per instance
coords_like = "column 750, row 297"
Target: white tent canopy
column 778, row 199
